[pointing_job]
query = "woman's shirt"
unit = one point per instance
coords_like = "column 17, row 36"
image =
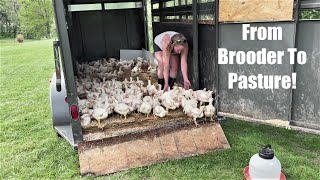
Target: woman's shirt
column 158, row 38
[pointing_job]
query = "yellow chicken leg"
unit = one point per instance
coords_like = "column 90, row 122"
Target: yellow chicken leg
column 212, row 118
column 99, row 124
column 195, row 122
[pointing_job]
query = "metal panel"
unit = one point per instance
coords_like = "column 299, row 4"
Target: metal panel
column 217, row 45
column 122, row 5
column 92, row 34
column 115, row 32
column 207, row 53
column 203, row 8
column 146, row 22
column 97, row 34
column 310, row 4
column 195, row 68
column 84, row 7
column 306, row 98
column 258, row 103
column 135, row 29
column 59, row 108
column 76, row 40
column 130, row 54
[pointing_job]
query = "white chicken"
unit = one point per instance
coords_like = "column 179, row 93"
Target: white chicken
column 139, row 82
column 126, row 67
column 168, row 102
column 121, row 108
column 155, row 102
column 159, row 111
column 82, row 103
column 187, row 93
column 125, row 82
column 135, row 71
column 147, row 99
column 210, row 110
column 151, row 88
column 100, row 94
column 84, row 111
column 145, row 108
column 99, row 114
column 137, row 101
column 152, row 70
column 188, row 105
column 196, row 113
column 203, row 95
column 120, row 72
column 85, row 120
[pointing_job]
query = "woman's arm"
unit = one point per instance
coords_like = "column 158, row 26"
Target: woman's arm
column 184, row 66
column 166, row 56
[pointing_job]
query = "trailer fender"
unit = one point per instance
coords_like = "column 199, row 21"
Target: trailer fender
column 59, row 106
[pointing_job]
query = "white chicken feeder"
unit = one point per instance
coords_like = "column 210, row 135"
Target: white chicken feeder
column 264, row 165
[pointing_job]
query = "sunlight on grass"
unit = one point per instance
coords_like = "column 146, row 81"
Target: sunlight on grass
column 29, row 147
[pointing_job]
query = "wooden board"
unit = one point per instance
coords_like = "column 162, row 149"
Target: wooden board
column 255, row 10
column 133, row 150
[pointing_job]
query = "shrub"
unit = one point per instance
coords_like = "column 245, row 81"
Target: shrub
column 20, row 38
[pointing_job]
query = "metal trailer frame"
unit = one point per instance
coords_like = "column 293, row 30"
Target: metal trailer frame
column 63, row 89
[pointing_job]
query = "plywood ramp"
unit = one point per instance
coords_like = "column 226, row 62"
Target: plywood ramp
column 255, row 10
column 141, row 149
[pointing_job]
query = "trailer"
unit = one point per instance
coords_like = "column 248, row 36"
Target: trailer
column 90, row 30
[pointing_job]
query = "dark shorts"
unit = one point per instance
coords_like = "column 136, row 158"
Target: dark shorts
column 156, row 48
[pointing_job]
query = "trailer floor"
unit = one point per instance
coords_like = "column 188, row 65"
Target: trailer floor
column 136, row 122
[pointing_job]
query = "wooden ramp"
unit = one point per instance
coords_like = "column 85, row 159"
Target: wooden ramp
column 139, row 149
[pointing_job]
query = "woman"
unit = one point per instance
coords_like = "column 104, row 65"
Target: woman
column 169, row 47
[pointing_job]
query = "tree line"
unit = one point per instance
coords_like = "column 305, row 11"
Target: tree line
column 33, row 19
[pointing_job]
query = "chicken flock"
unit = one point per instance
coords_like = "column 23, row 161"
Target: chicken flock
column 104, row 90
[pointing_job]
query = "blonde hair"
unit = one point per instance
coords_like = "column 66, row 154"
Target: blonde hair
column 177, row 39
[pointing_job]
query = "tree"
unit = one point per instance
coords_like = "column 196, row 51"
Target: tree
column 9, row 19
column 36, row 17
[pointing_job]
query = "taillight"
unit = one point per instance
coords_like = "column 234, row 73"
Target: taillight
column 74, row 112
column 66, row 99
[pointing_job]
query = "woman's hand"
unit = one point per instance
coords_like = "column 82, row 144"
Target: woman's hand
column 166, row 87
column 186, row 84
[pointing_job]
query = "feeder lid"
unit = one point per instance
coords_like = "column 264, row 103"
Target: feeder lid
column 266, row 152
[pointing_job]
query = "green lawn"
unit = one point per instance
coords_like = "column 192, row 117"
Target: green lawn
column 29, row 148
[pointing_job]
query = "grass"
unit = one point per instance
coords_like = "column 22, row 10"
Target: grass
column 29, row 147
